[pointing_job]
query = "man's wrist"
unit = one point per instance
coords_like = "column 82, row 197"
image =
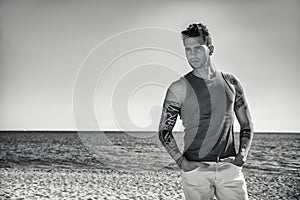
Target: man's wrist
column 179, row 161
column 243, row 154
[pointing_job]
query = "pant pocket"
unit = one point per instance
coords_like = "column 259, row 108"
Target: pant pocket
column 238, row 167
column 188, row 172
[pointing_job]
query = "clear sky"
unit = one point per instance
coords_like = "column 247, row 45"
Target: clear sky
column 92, row 65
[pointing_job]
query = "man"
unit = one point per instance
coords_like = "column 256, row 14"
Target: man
column 206, row 100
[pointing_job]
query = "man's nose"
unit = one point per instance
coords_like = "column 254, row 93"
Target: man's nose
column 193, row 55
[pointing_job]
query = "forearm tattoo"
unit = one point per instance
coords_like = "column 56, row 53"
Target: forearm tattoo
column 239, row 96
column 246, row 133
column 245, row 142
column 168, row 119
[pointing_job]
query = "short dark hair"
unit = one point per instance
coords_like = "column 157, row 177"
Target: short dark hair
column 199, row 30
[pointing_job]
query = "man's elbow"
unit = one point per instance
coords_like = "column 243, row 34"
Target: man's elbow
column 161, row 135
column 247, row 126
column 247, row 130
column 164, row 135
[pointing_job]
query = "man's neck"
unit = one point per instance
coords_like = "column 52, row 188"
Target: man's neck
column 206, row 72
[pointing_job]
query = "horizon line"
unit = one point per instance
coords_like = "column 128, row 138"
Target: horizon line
column 73, row 130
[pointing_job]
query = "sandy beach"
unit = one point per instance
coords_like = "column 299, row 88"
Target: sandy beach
column 88, row 184
column 37, row 183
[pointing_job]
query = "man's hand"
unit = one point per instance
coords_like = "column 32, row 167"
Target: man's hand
column 239, row 160
column 187, row 166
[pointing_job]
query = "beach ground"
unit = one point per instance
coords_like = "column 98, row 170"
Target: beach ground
column 39, row 183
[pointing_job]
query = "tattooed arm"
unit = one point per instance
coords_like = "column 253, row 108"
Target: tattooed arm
column 170, row 111
column 243, row 115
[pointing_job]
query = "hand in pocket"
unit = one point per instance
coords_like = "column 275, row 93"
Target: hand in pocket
column 188, row 166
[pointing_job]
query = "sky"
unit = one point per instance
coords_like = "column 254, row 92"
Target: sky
column 106, row 65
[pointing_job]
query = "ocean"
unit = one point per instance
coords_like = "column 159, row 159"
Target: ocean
column 271, row 152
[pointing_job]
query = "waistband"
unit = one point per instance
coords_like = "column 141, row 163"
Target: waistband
column 212, row 159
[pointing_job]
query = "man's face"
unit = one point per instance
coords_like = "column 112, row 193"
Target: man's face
column 196, row 52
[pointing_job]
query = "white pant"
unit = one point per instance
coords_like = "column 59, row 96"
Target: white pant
column 223, row 180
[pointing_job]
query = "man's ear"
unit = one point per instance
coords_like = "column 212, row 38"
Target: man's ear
column 206, row 48
column 211, row 49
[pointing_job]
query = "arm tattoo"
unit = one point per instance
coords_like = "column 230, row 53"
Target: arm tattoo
column 239, row 95
column 246, row 133
column 245, row 142
column 169, row 115
column 168, row 119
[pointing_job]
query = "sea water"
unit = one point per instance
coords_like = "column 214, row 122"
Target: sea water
column 270, row 152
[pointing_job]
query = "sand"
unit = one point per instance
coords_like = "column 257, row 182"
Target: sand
column 38, row 183
column 26, row 183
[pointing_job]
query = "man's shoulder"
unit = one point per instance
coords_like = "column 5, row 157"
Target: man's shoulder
column 178, row 89
column 230, row 77
column 178, row 84
column 226, row 74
